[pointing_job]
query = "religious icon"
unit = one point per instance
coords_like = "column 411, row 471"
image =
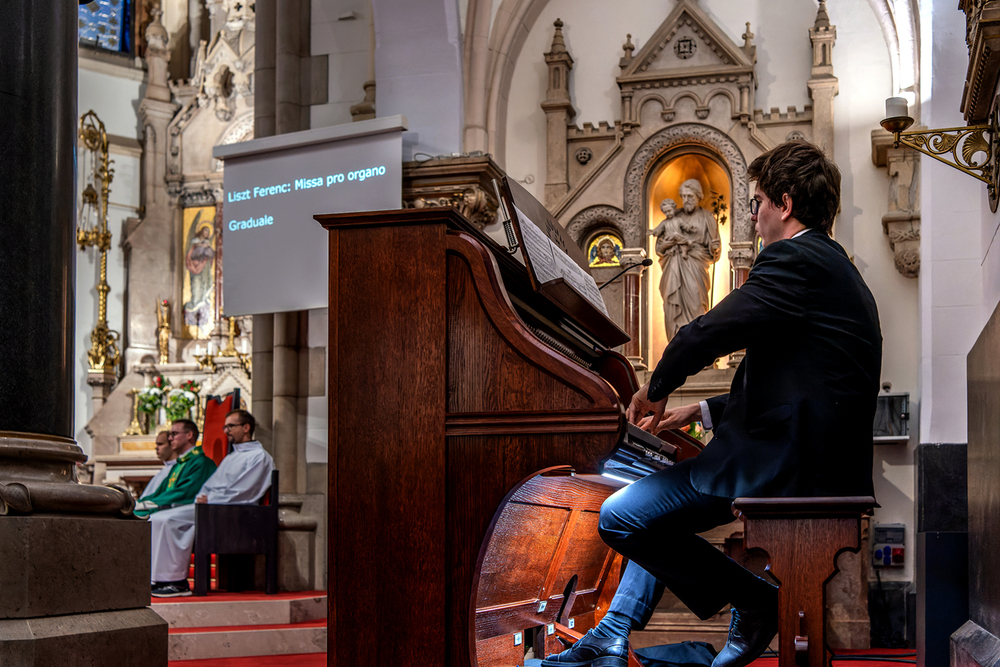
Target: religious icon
column 687, row 243
column 198, row 286
column 605, row 250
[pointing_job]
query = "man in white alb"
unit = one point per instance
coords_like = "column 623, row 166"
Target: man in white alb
column 168, row 456
column 241, row 479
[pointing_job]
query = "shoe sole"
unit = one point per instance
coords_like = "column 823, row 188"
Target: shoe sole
column 182, row 594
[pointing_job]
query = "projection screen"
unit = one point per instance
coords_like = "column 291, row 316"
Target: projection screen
column 275, row 252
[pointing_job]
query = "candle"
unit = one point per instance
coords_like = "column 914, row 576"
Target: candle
column 895, row 107
column 197, row 350
column 244, row 345
column 211, row 348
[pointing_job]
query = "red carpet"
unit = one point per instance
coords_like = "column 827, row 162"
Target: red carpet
column 297, row 660
column 865, row 658
column 872, row 657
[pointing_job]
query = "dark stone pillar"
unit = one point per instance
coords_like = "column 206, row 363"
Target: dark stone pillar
column 74, row 570
column 38, row 84
column 942, row 549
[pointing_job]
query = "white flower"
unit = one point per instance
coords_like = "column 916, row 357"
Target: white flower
column 188, row 395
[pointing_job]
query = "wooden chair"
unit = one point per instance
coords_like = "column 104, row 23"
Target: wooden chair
column 214, row 442
column 802, row 537
column 237, row 529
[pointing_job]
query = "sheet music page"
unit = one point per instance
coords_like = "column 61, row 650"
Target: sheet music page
column 552, row 262
column 540, row 249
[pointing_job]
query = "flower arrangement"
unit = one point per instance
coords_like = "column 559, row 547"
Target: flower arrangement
column 181, row 400
column 153, row 397
column 166, row 403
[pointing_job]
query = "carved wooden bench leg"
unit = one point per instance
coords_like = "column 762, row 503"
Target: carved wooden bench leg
column 802, row 537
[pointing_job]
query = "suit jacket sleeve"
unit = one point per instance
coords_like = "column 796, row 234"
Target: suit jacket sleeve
column 716, row 406
column 774, row 295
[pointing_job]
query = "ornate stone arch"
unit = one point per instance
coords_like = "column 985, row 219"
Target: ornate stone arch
column 646, row 158
column 652, row 98
column 598, row 217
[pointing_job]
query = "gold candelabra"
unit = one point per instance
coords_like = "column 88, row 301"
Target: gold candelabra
column 135, row 428
column 92, row 231
column 230, row 349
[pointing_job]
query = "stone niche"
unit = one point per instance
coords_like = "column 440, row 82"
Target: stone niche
column 687, row 111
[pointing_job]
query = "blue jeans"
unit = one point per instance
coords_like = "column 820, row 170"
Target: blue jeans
column 654, row 523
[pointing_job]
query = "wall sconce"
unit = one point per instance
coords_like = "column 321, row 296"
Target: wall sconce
column 958, row 147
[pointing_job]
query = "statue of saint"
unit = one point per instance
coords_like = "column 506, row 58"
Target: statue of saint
column 163, row 330
column 687, row 243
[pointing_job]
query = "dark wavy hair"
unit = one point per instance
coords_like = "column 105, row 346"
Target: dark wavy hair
column 188, row 426
column 803, row 172
column 245, row 418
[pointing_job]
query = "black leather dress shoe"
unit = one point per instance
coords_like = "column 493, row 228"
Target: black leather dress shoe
column 592, row 651
column 750, row 632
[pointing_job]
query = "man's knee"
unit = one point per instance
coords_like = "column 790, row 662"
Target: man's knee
column 613, row 524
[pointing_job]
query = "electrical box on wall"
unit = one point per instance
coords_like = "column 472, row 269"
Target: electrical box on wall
column 887, row 545
column 892, row 418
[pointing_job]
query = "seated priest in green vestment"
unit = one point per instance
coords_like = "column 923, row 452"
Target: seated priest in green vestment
column 165, row 453
column 186, row 476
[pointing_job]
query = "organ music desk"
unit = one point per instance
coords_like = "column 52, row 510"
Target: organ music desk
column 461, row 399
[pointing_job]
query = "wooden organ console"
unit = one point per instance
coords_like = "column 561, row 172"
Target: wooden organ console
column 471, row 416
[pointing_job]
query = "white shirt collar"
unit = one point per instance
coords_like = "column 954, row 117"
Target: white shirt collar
column 800, row 233
column 170, row 463
column 245, row 446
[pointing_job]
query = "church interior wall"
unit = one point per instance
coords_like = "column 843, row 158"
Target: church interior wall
column 316, row 404
column 113, row 91
column 418, row 71
column 340, row 30
column 865, row 78
column 951, row 283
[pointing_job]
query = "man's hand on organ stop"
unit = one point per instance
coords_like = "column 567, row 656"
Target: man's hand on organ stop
column 681, row 417
column 641, row 404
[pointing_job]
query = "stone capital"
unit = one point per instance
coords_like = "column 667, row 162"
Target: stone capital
column 633, row 256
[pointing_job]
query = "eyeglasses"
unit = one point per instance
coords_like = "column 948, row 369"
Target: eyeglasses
column 229, row 426
column 171, row 434
column 754, row 206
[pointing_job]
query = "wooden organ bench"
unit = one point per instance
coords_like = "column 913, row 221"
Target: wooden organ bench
column 802, row 537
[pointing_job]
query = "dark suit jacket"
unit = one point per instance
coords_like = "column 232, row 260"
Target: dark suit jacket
column 798, row 418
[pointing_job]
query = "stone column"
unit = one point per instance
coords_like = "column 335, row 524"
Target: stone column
column 149, row 243
column 558, row 112
column 632, row 307
column 823, row 85
column 90, row 569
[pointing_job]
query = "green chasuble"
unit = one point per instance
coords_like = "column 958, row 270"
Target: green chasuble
column 184, row 482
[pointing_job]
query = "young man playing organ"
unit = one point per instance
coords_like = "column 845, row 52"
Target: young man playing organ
column 796, row 422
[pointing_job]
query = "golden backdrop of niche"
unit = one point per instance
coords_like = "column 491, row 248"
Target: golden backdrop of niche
column 663, row 184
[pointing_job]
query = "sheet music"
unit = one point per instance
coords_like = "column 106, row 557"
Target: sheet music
column 549, row 262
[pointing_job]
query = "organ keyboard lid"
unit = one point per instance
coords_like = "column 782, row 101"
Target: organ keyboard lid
column 557, row 267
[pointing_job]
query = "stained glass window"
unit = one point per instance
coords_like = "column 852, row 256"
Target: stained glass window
column 106, row 24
